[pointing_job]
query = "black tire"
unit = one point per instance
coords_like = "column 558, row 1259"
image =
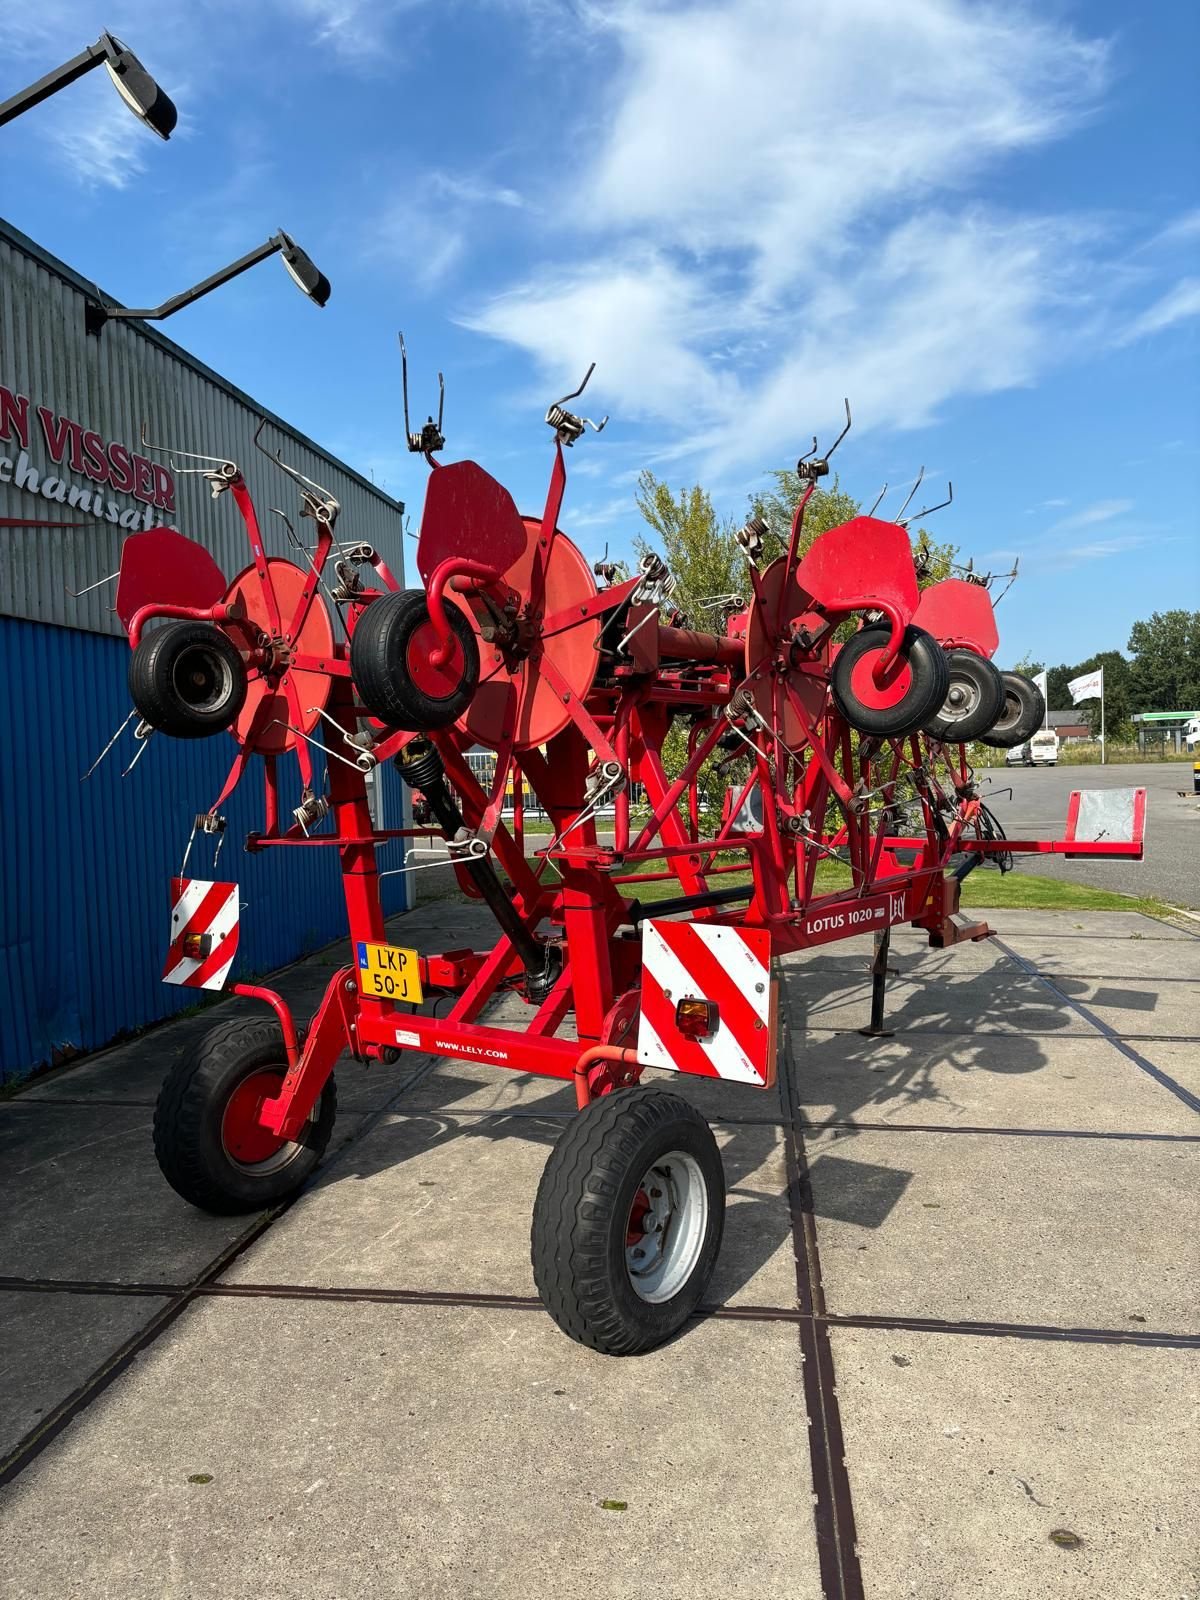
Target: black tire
column 189, row 1118
column 929, row 682
column 585, row 1209
column 381, row 667
column 1022, row 716
column 973, row 702
column 187, row 679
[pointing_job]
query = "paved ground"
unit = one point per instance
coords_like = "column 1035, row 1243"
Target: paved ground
column 1038, row 806
column 954, row 1319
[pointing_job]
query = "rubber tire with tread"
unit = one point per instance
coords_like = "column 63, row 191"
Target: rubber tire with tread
column 379, row 656
column 191, row 1104
column 152, row 686
column 582, row 1211
column 1023, row 714
column 926, row 693
column 986, row 686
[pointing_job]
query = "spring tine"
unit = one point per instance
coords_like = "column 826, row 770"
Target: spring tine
column 929, row 510
column 145, row 738
column 878, row 499
column 77, row 594
column 911, row 492
column 109, row 746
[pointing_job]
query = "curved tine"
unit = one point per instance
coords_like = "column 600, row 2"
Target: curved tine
column 908, row 497
column 878, row 498
column 843, row 433
column 293, row 472
column 170, row 451
column 575, row 393
column 929, row 510
column 404, row 378
column 442, row 400
column 808, row 454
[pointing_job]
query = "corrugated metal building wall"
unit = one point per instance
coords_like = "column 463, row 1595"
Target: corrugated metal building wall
column 85, row 867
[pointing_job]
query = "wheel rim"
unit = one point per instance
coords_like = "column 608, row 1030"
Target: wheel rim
column 202, row 679
column 664, row 1234
column 962, row 701
column 897, row 681
column 439, row 683
column 248, row 1145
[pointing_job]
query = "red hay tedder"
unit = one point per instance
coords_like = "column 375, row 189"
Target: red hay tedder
column 853, row 750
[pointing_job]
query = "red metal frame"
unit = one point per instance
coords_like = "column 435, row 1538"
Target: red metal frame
column 767, row 676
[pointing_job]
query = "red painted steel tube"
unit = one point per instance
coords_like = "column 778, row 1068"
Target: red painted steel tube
column 221, row 612
column 454, row 567
column 291, row 1040
column 685, row 644
column 589, row 1058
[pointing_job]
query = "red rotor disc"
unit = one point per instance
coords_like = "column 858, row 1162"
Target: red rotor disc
column 807, row 681
column 520, row 697
column 314, row 639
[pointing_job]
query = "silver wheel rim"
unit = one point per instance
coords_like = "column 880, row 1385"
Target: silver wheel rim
column 202, row 679
column 664, row 1233
column 962, row 701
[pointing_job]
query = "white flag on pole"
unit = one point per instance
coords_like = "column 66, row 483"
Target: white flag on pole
column 1040, row 682
column 1089, row 687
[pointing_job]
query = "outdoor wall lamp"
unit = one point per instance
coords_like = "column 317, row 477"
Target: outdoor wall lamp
column 300, row 267
column 133, row 83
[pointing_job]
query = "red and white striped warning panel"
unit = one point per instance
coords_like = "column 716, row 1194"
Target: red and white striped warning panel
column 687, row 966
column 204, row 933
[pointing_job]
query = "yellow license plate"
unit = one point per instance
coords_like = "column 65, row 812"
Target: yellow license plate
column 388, row 972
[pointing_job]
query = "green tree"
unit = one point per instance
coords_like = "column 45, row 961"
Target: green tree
column 1165, row 674
column 1118, row 694
column 697, row 545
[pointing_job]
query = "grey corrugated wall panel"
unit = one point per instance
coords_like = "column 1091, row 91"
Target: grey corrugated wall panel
column 113, row 383
column 85, row 868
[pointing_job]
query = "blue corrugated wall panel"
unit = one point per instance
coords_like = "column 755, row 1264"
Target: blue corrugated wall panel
column 85, row 868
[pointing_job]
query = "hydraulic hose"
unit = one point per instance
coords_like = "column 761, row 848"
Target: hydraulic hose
column 420, row 765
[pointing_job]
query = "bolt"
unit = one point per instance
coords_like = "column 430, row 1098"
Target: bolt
column 759, row 987
column 349, row 987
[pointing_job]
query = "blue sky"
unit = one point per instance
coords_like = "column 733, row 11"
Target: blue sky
column 980, row 223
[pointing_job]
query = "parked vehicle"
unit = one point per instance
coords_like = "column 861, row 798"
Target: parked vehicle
column 1040, row 751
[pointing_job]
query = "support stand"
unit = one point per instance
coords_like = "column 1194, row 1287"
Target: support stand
column 879, row 971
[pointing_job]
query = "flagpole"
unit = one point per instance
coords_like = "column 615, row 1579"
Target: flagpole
column 1103, row 745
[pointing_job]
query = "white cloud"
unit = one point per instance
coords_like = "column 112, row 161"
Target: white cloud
column 779, row 189
column 1178, row 304
column 1101, row 511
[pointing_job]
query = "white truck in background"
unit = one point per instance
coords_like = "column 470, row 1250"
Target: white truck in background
column 1040, row 751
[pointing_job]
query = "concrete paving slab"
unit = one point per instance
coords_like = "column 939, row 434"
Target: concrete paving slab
column 1008, row 921
column 81, row 1197
column 471, row 1086
column 133, row 1073
column 1068, row 1232
column 51, row 1343
column 1179, row 1059
column 434, row 1202
column 992, row 1081
column 1137, row 1007
column 1131, row 956
column 965, row 1455
column 996, row 1001
column 374, row 1452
